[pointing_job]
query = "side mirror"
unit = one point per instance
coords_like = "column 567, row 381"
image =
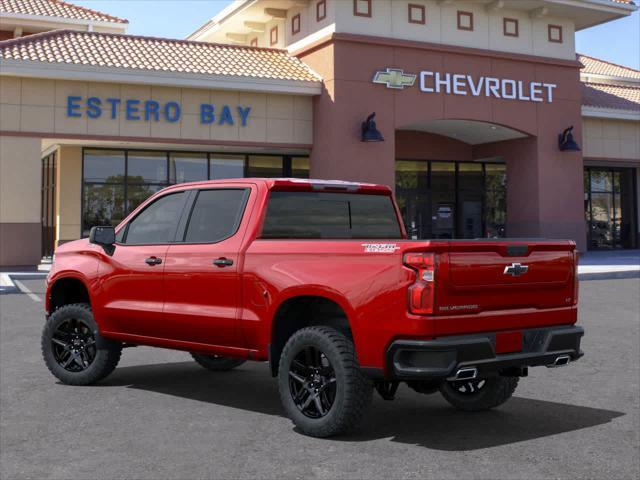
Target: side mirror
column 104, row 236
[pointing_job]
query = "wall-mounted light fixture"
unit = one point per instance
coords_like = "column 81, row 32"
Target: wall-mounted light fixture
column 566, row 143
column 370, row 132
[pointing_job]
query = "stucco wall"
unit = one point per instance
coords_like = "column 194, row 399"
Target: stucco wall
column 68, row 193
column 611, row 139
column 40, row 106
column 20, row 171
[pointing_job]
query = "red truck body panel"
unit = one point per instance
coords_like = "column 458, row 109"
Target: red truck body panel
column 187, row 303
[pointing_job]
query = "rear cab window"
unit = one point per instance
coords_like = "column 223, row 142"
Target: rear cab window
column 329, row 215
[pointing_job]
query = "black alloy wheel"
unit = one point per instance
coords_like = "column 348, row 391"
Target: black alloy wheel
column 312, row 382
column 73, row 345
column 469, row 387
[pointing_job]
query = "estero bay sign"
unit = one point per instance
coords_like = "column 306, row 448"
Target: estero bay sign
column 152, row 110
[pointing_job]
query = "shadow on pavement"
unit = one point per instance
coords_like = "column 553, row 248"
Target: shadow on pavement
column 412, row 418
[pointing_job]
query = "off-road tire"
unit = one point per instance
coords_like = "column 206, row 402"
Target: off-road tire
column 107, row 352
column 495, row 392
column 353, row 392
column 216, row 363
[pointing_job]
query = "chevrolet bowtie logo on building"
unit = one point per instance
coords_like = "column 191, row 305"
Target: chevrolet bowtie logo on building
column 516, row 269
column 395, row 78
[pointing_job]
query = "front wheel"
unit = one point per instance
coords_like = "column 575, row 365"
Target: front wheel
column 322, row 388
column 480, row 393
column 72, row 348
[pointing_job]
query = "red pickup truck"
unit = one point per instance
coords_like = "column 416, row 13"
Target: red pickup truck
column 319, row 279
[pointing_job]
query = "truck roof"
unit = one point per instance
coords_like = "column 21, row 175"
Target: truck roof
column 299, row 184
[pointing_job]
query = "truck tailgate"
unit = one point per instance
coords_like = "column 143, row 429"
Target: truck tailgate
column 481, row 276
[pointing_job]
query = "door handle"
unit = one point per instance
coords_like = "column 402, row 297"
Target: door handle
column 152, row 261
column 223, row 262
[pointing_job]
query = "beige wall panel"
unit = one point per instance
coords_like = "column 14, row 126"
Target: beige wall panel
column 227, row 133
column 165, row 129
column 105, row 125
column 10, row 90
column 103, row 90
column 65, row 124
column 191, row 128
column 280, row 106
column 265, row 109
column 608, row 138
column 68, row 192
column 302, row 131
column 192, row 99
column 257, row 102
column 478, row 38
column 134, row 128
column 255, row 131
column 302, row 108
column 279, row 130
column 9, row 117
column 20, row 171
column 65, row 89
column 36, row 119
column 38, row 92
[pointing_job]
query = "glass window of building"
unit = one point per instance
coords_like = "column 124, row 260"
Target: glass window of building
column 610, row 207
column 187, row 167
column 300, row 167
column 147, row 167
column 495, row 190
column 264, row 166
column 451, row 199
column 412, row 194
column 226, row 166
column 115, row 182
column 443, row 199
column 470, row 196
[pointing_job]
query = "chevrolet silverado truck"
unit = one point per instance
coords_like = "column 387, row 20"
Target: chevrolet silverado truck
column 318, row 279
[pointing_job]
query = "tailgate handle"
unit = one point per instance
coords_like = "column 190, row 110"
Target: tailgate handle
column 517, row 250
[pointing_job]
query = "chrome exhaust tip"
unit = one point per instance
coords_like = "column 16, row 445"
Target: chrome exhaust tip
column 561, row 361
column 467, row 373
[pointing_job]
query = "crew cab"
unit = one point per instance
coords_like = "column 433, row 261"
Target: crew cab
column 318, row 279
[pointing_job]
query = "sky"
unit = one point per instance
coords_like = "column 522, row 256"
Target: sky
column 617, row 42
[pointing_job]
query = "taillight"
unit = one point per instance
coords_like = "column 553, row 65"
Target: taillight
column 422, row 292
column 576, row 283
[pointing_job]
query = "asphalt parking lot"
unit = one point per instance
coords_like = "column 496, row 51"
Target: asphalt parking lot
column 161, row 416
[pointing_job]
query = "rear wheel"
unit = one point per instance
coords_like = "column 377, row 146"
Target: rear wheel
column 480, row 393
column 216, row 363
column 321, row 385
column 72, row 348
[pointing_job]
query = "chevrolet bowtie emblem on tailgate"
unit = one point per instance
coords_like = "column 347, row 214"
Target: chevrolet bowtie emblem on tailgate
column 516, row 269
column 395, row 78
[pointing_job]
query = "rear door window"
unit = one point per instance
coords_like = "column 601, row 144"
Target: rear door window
column 330, row 215
column 216, row 215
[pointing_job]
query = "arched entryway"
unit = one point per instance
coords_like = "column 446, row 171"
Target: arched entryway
column 448, row 183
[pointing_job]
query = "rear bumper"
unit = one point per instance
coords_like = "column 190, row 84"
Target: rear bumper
column 442, row 357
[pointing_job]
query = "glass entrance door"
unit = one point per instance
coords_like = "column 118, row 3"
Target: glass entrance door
column 47, row 205
column 610, row 207
column 451, row 199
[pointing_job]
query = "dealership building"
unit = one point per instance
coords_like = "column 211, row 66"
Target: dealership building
column 487, row 122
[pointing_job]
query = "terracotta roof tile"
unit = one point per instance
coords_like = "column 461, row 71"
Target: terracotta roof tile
column 56, row 8
column 602, row 67
column 158, row 54
column 611, row 96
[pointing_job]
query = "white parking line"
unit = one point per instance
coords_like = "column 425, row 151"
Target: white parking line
column 26, row 291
